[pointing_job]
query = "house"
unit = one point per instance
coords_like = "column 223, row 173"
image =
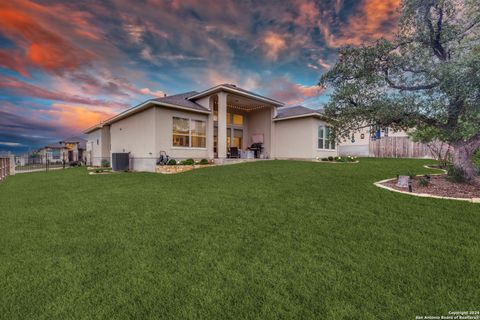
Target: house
column 54, row 153
column 75, row 148
column 68, row 150
column 217, row 123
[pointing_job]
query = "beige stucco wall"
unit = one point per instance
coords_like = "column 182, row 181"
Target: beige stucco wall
column 136, row 134
column 98, row 146
column 298, row 138
column 260, row 122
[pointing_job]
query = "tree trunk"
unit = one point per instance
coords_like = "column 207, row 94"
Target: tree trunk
column 462, row 156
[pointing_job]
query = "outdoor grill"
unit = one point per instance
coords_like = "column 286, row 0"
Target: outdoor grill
column 256, row 148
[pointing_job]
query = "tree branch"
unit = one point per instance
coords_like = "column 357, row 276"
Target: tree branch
column 409, row 88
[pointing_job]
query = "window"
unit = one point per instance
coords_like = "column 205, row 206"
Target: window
column 181, row 132
column 229, row 137
column 189, row 133
column 199, row 134
column 229, row 118
column 321, row 134
column 56, row 154
column 238, row 119
column 237, row 138
column 324, row 140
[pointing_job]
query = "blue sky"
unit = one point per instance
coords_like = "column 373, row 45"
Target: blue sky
column 67, row 65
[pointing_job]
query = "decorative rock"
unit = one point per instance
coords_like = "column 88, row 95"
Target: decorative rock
column 403, row 181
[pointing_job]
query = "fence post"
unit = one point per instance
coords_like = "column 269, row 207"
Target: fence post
column 12, row 164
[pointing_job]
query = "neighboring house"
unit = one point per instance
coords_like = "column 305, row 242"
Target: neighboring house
column 68, row 150
column 217, row 123
column 54, row 153
column 75, row 148
column 360, row 143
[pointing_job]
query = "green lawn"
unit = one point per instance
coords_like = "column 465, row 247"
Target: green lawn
column 264, row 240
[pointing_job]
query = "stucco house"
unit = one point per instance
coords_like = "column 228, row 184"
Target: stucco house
column 220, row 122
column 68, row 150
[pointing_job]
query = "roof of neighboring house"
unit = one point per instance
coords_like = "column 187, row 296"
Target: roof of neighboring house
column 235, row 90
column 55, row 146
column 82, row 143
column 297, row 112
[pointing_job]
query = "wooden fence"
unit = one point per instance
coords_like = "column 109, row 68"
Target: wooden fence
column 399, row 147
column 4, row 167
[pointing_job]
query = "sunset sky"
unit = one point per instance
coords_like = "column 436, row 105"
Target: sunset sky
column 66, row 65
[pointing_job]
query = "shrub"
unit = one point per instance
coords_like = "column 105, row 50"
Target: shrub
column 105, row 163
column 188, row 162
column 456, row 174
column 203, row 161
column 424, row 181
column 172, row 162
column 330, row 158
column 411, row 174
column 476, row 160
column 324, row 159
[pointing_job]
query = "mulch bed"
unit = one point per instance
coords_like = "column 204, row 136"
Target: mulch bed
column 440, row 186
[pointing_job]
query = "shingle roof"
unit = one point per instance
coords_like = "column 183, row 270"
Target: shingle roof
column 297, row 111
column 181, row 100
column 55, row 146
column 82, row 143
column 234, row 89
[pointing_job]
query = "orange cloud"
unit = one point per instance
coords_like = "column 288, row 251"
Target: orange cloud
column 74, row 116
column 375, row 19
column 274, row 43
column 291, row 93
column 29, row 26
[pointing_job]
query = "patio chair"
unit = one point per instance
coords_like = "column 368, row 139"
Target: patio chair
column 234, row 153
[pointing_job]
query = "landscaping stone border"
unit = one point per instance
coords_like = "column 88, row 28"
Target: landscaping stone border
column 167, row 169
column 352, row 162
column 424, row 195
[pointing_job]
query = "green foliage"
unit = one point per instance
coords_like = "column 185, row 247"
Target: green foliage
column 172, row 162
column 424, row 181
column 330, row 158
column 456, row 174
column 426, row 79
column 476, row 160
column 188, row 162
column 203, row 162
column 105, row 163
column 325, row 159
column 262, row 240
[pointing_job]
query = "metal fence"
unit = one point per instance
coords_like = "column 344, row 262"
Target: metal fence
column 37, row 163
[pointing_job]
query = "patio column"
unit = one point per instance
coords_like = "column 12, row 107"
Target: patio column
column 222, row 125
column 210, row 130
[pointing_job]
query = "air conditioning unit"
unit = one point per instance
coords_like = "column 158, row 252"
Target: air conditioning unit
column 120, row 161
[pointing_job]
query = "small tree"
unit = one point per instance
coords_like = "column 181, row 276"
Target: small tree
column 426, row 79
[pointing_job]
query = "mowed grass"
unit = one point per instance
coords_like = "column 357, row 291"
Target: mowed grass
column 265, row 240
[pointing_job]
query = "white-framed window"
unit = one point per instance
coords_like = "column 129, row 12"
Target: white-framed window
column 189, row 133
column 324, row 138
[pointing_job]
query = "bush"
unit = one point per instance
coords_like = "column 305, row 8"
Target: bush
column 330, row 158
column 456, row 174
column 172, row 162
column 324, row 159
column 476, row 160
column 105, row 163
column 188, row 162
column 424, row 181
column 203, row 161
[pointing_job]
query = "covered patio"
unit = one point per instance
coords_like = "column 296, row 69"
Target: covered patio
column 241, row 126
